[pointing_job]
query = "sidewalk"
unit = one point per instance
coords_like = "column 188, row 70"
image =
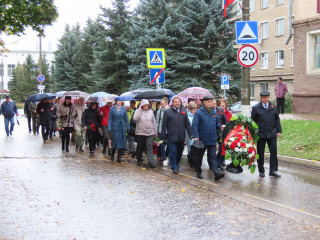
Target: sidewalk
column 288, row 116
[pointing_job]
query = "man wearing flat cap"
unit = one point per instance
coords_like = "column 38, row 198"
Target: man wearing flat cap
column 266, row 115
column 205, row 126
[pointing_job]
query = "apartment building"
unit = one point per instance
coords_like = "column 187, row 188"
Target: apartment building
column 306, row 96
column 19, row 48
column 275, row 57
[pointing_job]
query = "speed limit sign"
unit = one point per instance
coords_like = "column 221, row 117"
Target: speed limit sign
column 247, row 55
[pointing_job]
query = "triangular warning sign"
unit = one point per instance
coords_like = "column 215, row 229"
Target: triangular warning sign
column 247, row 33
column 156, row 58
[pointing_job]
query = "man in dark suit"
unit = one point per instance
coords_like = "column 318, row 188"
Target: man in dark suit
column 174, row 125
column 266, row 115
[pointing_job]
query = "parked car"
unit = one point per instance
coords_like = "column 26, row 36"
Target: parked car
column 236, row 107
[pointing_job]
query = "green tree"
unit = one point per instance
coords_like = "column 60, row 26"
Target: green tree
column 67, row 73
column 24, row 80
column 197, row 39
column 16, row 15
column 110, row 67
column 93, row 34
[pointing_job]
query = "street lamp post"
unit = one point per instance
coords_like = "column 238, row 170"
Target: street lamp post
column 2, row 73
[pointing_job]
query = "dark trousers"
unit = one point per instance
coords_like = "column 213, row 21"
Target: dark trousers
column 93, row 138
column 65, row 137
column 35, row 125
column 29, row 123
column 175, row 153
column 197, row 155
column 280, row 105
column 45, row 129
column 272, row 145
column 220, row 157
column 145, row 142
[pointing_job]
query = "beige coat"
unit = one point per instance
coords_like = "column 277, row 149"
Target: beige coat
column 145, row 121
column 77, row 115
column 66, row 113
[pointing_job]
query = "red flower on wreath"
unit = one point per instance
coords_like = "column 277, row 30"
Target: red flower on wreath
column 250, row 150
column 233, row 145
column 213, row 115
column 243, row 145
column 183, row 113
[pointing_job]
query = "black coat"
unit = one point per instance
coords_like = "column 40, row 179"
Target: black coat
column 222, row 119
column 174, row 125
column 90, row 116
column 267, row 120
column 53, row 117
column 45, row 115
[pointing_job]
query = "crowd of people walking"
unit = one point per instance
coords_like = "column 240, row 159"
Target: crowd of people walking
column 162, row 131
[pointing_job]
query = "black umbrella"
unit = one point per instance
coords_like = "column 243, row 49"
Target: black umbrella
column 38, row 96
column 154, row 94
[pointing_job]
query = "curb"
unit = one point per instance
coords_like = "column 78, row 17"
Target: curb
column 300, row 161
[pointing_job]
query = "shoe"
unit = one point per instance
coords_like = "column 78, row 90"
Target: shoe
column 104, row 151
column 80, row 149
column 199, row 175
column 151, row 166
column 224, row 164
column 50, row 138
column 109, row 151
column 11, row 133
column 216, row 176
column 133, row 154
column 165, row 163
column 91, row 153
column 111, row 158
column 45, row 141
column 120, row 160
column 221, row 175
column 67, row 149
column 262, row 174
column 175, row 171
column 139, row 163
column 29, row 131
column 274, row 174
column 77, row 148
column 62, row 148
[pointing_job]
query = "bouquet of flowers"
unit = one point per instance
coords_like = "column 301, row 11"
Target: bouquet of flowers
column 156, row 143
column 239, row 142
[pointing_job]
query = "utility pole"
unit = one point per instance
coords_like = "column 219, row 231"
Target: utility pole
column 245, row 82
column 2, row 73
column 40, row 55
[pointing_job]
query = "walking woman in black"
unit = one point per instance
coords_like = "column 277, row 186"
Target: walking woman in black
column 64, row 121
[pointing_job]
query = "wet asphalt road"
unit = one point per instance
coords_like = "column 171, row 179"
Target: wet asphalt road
column 47, row 194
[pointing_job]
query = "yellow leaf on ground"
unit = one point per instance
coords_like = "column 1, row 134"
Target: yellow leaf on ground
column 301, row 209
column 182, row 190
column 212, row 213
column 259, row 184
column 131, row 192
column 143, row 169
column 235, row 233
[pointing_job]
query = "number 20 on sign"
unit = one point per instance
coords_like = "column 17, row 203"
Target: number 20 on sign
column 248, row 55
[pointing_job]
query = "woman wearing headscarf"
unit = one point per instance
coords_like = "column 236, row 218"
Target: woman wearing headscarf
column 118, row 123
column 64, row 121
column 146, row 129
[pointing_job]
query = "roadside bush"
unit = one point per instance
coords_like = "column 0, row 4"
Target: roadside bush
column 20, row 105
column 288, row 104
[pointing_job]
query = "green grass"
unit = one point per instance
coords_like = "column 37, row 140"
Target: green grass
column 20, row 105
column 300, row 139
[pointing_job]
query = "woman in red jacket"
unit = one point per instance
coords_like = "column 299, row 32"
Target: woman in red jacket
column 223, row 104
column 104, row 112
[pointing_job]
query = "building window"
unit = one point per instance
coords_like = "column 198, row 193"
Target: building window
column 279, row 60
column 317, row 52
column 280, row 27
column 264, row 4
column 264, row 86
column 10, row 69
column 264, row 30
column 264, row 60
column 252, row 5
column 279, row 2
column 252, row 90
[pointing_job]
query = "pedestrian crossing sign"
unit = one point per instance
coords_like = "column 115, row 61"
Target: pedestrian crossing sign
column 156, row 58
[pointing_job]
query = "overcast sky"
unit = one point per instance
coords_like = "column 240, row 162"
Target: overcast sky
column 70, row 12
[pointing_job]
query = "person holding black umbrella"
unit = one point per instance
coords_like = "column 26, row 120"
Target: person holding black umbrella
column 43, row 109
column 34, row 117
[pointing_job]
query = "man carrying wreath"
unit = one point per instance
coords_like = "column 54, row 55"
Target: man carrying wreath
column 266, row 115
